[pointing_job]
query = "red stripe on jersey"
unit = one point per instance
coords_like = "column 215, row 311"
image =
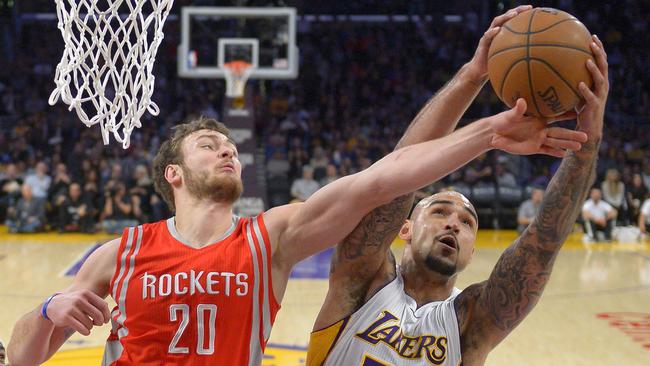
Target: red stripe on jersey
column 275, row 305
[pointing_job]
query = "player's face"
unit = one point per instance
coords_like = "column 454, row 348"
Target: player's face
column 211, row 167
column 443, row 233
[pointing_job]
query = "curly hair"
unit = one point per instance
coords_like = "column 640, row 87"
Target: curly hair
column 170, row 152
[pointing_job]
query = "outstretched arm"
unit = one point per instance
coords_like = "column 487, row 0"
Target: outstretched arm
column 490, row 310
column 297, row 231
column 437, row 118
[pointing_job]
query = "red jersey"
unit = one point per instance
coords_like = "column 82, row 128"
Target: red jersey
column 179, row 305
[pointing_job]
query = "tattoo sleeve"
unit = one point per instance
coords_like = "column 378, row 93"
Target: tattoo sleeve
column 521, row 273
column 373, row 235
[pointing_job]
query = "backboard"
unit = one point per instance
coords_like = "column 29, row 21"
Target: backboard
column 213, row 36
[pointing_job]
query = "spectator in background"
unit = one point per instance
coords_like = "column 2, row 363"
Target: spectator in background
column 75, row 212
column 479, row 171
column 298, row 158
column 645, row 176
column 60, row 183
column 39, row 181
column 644, row 217
column 331, row 174
column 614, row 191
column 278, row 165
column 10, row 183
column 636, row 194
column 319, row 162
column 57, row 194
column 142, row 193
column 304, row 187
column 598, row 216
column 118, row 210
column 503, row 177
column 28, row 215
column 529, row 208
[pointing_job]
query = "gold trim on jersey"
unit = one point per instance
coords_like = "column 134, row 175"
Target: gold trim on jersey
column 322, row 341
column 385, row 329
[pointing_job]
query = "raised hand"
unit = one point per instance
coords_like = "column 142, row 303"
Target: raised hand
column 519, row 134
column 78, row 310
column 592, row 115
column 478, row 64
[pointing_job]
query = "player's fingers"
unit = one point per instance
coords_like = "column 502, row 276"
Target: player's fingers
column 599, row 79
column 522, row 8
column 84, row 320
column 499, row 20
column 100, row 304
column 567, row 134
column 93, row 312
column 566, row 116
column 589, row 96
column 562, row 144
column 601, row 58
column 489, row 35
column 598, row 41
column 547, row 150
column 520, row 107
column 77, row 326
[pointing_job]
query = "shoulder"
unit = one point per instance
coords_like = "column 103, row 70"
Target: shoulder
column 278, row 217
column 276, row 220
column 646, row 205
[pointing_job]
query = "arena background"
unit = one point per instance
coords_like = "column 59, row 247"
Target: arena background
column 365, row 69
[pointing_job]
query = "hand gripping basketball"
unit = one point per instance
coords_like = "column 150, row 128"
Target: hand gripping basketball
column 519, row 134
column 592, row 114
column 478, row 65
column 79, row 310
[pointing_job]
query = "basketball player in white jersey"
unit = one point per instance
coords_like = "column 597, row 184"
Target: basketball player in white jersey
column 377, row 313
column 203, row 180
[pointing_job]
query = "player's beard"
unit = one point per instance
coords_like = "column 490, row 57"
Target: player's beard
column 440, row 266
column 224, row 188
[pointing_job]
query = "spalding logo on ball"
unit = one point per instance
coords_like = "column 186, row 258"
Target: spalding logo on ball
column 540, row 55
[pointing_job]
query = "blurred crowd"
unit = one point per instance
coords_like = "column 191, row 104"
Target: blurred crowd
column 360, row 84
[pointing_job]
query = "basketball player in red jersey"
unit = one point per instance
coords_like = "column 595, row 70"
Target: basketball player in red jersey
column 203, row 287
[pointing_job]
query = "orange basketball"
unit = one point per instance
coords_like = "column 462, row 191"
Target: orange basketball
column 540, row 55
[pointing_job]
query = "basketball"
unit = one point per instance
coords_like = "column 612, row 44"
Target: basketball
column 540, row 56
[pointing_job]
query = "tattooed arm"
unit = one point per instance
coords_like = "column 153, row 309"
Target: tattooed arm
column 367, row 249
column 487, row 312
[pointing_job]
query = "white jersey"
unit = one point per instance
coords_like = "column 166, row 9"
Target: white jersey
column 390, row 329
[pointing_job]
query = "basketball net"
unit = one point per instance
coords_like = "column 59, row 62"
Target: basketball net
column 105, row 73
column 237, row 73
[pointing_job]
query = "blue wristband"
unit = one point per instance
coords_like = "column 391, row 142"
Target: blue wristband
column 45, row 304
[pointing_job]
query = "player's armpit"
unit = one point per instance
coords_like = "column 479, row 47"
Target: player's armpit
column 363, row 251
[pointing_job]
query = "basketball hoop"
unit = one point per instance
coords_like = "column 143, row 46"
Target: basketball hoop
column 106, row 67
column 237, row 73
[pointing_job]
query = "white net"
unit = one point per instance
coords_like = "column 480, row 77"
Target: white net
column 237, row 73
column 106, row 71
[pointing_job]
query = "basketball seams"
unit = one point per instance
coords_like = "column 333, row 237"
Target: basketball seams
column 505, row 77
column 528, row 65
column 537, row 31
column 532, row 45
column 558, row 75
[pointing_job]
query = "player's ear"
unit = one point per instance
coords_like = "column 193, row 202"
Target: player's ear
column 405, row 232
column 173, row 174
